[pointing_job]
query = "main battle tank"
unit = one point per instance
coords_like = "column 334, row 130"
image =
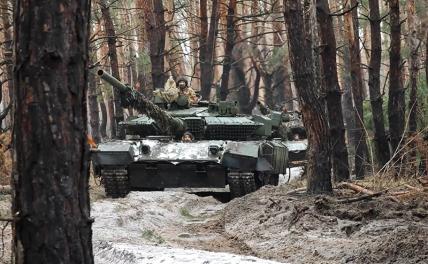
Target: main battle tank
column 244, row 152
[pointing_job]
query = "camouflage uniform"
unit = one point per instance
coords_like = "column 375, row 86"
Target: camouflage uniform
column 187, row 91
column 170, row 92
column 191, row 95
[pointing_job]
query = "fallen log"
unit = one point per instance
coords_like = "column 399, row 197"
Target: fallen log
column 355, row 187
column 413, row 188
column 297, row 190
column 360, row 198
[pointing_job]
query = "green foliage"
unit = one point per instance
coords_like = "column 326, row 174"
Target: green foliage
column 276, row 58
column 422, row 116
column 152, row 236
column 422, row 101
column 143, row 62
column 185, row 212
column 368, row 114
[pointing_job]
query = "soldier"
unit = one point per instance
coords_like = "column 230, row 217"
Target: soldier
column 187, row 137
column 170, row 91
column 185, row 90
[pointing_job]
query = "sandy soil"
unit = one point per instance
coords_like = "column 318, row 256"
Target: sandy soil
column 268, row 226
column 305, row 229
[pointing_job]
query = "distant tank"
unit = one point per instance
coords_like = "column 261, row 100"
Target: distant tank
column 207, row 145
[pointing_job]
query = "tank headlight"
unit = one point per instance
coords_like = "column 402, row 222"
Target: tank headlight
column 214, row 149
column 145, row 149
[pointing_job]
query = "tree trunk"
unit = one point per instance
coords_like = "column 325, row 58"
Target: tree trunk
column 413, row 43
column 207, row 47
column 376, row 99
column 352, row 29
column 281, row 78
column 313, row 42
column 7, row 53
column 230, row 43
column 104, row 117
column 144, row 83
column 155, row 29
column 94, row 119
column 51, row 200
column 318, row 168
column 396, row 103
column 345, row 81
column 112, row 53
column 174, row 51
column 194, row 34
column 334, row 106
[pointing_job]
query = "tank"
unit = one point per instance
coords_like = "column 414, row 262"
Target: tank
column 207, row 145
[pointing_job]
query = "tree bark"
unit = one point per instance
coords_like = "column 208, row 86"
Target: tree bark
column 104, row 117
column 334, row 106
column 318, row 168
column 155, row 29
column 396, row 103
column 352, row 29
column 230, row 43
column 194, row 35
column 413, row 43
column 281, row 78
column 207, row 46
column 94, row 118
column 51, row 201
column 376, row 98
column 112, row 53
column 174, row 51
column 7, row 53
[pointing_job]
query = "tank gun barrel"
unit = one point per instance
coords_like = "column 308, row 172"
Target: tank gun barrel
column 134, row 99
column 112, row 81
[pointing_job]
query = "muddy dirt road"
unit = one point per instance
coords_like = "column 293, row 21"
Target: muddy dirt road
column 268, row 226
column 177, row 227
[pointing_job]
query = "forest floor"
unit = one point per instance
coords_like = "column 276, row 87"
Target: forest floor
column 274, row 224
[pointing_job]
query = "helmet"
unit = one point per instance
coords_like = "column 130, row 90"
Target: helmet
column 182, row 79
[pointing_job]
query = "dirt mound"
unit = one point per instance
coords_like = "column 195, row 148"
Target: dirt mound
column 314, row 229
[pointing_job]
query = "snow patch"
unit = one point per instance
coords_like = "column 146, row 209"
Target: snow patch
column 108, row 253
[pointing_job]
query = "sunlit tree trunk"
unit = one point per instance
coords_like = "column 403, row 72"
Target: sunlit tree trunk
column 194, row 35
column 173, row 50
column 281, row 78
column 207, row 46
column 352, row 30
column 230, row 43
column 6, row 22
column 414, row 44
column 114, row 63
column 155, row 30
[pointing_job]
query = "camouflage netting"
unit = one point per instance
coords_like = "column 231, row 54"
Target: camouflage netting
column 167, row 123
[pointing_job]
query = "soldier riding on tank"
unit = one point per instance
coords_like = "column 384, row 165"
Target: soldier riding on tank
column 244, row 152
column 185, row 90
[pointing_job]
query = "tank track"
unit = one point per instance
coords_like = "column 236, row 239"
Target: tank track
column 116, row 182
column 241, row 184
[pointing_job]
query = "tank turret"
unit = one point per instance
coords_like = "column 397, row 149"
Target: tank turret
column 132, row 98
